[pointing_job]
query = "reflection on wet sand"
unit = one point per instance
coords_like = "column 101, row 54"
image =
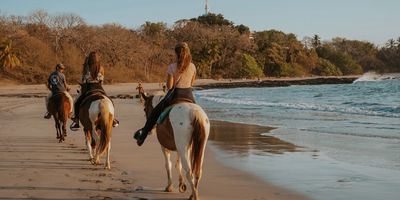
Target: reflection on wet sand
column 244, row 139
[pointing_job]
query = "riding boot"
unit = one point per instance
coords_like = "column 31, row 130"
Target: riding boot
column 115, row 122
column 140, row 135
column 75, row 124
column 47, row 115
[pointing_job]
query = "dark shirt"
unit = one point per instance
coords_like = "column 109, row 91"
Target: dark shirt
column 56, row 82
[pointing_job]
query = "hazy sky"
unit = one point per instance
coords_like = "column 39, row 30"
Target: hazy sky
column 372, row 20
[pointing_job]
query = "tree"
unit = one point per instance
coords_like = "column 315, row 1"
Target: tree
column 153, row 29
column 326, row 68
column 316, row 41
column 249, row 68
column 243, row 29
column 340, row 59
column 213, row 19
column 8, row 56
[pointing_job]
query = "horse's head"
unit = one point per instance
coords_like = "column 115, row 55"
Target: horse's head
column 150, row 101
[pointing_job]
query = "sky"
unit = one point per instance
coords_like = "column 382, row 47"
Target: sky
column 375, row 21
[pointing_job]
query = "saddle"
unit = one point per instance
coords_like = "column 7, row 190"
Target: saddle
column 57, row 94
column 93, row 95
column 167, row 110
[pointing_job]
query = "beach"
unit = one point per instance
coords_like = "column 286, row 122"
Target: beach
column 35, row 166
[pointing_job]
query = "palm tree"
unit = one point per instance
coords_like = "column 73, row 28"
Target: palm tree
column 316, row 41
column 390, row 43
column 8, row 57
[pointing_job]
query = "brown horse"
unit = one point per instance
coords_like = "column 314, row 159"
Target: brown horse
column 96, row 113
column 186, row 131
column 59, row 107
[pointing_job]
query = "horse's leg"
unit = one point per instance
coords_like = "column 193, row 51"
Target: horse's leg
column 185, row 160
column 60, row 129
column 178, row 166
column 56, row 125
column 88, row 137
column 168, row 166
column 64, row 127
column 108, row 165
column 96, row 138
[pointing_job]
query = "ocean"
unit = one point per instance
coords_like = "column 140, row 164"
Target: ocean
column 347, row 135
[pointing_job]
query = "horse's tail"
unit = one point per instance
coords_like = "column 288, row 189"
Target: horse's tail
column 200, row 133
column 105, row 124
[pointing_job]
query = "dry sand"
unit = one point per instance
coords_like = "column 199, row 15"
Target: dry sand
column 34, row 166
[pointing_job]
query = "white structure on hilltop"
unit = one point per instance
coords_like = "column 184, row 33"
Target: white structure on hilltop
column 206, row 8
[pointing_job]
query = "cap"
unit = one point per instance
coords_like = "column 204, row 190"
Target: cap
column 60, row 66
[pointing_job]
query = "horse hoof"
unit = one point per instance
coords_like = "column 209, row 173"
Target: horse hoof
column 169, row 189
column 92, row 161
column 107, row 168
column 182, row 188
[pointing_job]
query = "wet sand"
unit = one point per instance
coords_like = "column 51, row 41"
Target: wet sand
column 34, row 166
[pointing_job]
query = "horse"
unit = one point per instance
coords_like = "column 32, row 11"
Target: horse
column 185, row 130
column 96, row 114
column 60, row 106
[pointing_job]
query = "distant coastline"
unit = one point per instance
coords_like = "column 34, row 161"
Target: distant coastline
column 278, row 82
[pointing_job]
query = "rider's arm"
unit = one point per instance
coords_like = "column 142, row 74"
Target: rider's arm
column 170, row 81
column 193, row 79
column 48, row 86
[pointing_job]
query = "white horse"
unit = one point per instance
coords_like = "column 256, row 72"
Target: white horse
column 186, row 131
column 96, row 115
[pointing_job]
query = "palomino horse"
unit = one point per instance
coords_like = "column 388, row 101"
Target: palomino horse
column 96, row 113
column 186, row 131
column 59, row 107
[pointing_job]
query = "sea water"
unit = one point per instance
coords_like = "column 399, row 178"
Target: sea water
column 348, row 135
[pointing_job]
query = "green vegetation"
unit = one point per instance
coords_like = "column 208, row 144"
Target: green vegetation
column 32, row 45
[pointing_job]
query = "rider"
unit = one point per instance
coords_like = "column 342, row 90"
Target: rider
column 57, row 83
column 93, row 72
column 140, row 90
column 180, row 79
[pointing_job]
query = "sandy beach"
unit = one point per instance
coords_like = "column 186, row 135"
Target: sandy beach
column 35, row 166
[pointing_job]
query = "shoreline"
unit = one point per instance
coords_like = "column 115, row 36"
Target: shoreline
column 278, row 82
column 128, row 90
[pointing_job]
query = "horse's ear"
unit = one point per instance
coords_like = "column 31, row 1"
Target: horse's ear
column 144, row 96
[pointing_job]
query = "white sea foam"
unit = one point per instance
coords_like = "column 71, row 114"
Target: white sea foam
column 304, row 106
column 373, row 76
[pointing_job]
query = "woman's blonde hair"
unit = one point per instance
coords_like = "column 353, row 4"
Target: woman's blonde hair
column 183, row 56
column 92, row 63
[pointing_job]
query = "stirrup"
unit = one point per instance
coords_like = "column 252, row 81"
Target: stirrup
column 47, row 116
column 74, row 126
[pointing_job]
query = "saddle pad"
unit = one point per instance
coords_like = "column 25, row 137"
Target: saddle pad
column 164, row 115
